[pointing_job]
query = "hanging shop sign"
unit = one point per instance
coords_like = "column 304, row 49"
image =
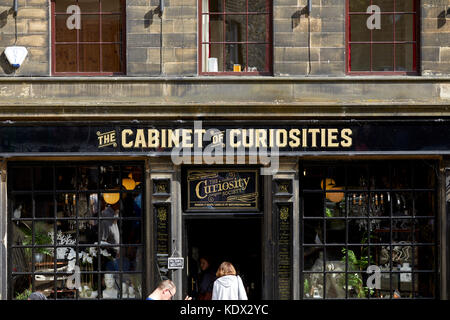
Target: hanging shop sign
column 251, row 137
column 222, row 190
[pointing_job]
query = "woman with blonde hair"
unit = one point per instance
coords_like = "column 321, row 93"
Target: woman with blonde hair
column 229, row 285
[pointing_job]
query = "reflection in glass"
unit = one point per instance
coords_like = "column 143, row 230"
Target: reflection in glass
column 313, row 286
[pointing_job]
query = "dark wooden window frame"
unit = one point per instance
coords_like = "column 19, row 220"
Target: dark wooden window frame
column 122, row 57
column 346, row 189
column 415, row 42
column 54, row 192
column 268, row 42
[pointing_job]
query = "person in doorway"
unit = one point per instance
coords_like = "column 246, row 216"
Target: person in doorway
column 165, row 290
column 206, row 280
column 229, row 285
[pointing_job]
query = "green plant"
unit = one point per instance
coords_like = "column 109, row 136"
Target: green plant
column 24, row 295
column 41, row 237
column 306, row 287
column 355, row 264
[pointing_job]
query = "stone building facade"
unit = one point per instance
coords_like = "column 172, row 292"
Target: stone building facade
column 163, row 86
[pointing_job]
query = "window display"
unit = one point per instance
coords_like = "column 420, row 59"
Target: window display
column 76, row 230
column 363, row 219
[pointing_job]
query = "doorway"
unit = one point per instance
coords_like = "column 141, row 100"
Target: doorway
column 234, row 239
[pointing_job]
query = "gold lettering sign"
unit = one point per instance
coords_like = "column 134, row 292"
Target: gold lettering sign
column 227, row 189
column 236, row 138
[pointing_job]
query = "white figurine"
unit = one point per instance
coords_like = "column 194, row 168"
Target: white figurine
column 110, row 292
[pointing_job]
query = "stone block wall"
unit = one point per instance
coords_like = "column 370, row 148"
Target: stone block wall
column 32, row 23
column 435, row 37
column 161, row 44
column 309, row 43
column 304, row 44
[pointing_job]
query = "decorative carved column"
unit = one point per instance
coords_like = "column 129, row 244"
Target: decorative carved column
column 3, row 231
column 164, row 229
column 285, row 217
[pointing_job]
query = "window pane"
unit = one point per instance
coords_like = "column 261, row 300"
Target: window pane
column 89, row 58
column 66, row 205
column 131, row 230
column 215, row 32
column 21, row 259
column 424, row 203
column 110, row 289
column 90, row 28
column 359, row 5
column 88, row 231
column 313, row 286
column 215, row 60
column 404, row 57
column 360, row 57
column 424, row 258
column 405, row 5
column 257, row 28
column 61, row 5
column 111, row 28
column 313, row 204
column 111, row 5
column 236, row 5
column 88, row 177
column 110, row 177
column 235, row 28
column 358, row 28
column 386, row 33
column 425, row 231
column 214, row 5
column 66, row 178
column 89, row 5
column 66, row 58
column 43, row 178
column 22, row 206
column 336, row 231
column 383, row 57
column 21, row 179
column 21, row 233
column 404, row 27
column 313, row 231
column 385, row 5
column 257, row 57
column 111, row 58
column 131, row 286
column 235, row 56
column 426, row 285
column 258, row 6
column 44, row 205
column 62, row 33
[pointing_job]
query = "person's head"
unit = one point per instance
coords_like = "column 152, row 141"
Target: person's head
column 204, row 263
column 166, row 289
column 37, row 296
column 109, row 280
column 225, row 269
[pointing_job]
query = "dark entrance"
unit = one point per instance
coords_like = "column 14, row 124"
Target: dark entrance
column 234, row 239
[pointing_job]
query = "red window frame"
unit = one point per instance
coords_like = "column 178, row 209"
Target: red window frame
column 415, row 42
column 268, row 41
column 100, row 13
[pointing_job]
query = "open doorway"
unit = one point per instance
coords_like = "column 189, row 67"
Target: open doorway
column 234, row 239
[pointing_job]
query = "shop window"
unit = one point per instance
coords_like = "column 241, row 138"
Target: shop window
column 88, row 37
column 369, row 219
column 382, row 36
column 235, row 37
column 76, row 230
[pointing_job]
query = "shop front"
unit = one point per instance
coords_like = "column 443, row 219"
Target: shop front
column 349, row 209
